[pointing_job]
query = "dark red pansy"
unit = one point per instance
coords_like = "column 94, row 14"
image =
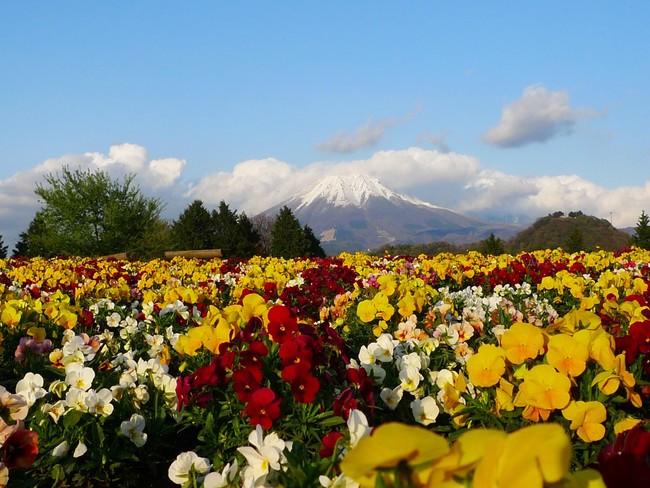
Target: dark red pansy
column 263, row 408
column 304, row 385
column 329, row 444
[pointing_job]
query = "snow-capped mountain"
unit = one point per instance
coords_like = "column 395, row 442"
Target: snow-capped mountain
column 356, row 212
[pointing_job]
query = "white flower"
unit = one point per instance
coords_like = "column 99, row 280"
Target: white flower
column 134, row 429
column 358, row 426
column 99, row 402
column 410, row 378
column 382, row 349
column 377, row 373
column 15, row 405
column 392, row 397
column 341, row 481
column 76, row 398
column 31, row 388
column 225, row 478
column 77, row 344
column 79, row 376
column 80, row 450
column 61, row 450
column 425, row 410
column 113, row 320
column 185, row 463
column 55, row 411
column 267, row 456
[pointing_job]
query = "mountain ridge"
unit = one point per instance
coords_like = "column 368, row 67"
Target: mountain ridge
column 356, row 212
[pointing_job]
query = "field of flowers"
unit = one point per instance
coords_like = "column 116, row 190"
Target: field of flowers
column 447, row 371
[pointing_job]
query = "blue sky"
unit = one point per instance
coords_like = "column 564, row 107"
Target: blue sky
column 483, row 107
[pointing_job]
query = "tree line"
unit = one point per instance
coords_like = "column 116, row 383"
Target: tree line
column 88, row 213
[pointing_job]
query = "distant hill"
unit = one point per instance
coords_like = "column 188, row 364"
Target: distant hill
column 566, row 231
column 355, row 212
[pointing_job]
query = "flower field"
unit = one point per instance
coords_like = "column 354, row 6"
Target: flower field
column 446, row 371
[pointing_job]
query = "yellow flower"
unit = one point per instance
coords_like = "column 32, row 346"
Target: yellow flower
column 486, row 367
column 11, row 316
column 503, row 400
column 567, row 355
column 586, row 419
column 625, row 424
column 522, row 341
column 610, row 381
column 391, row 445
column 528, row 458
column 544, row 388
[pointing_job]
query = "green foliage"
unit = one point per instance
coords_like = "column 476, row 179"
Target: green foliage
column 290, row 240
column 641, row 237
column 3, row 249
column 86, row 213
column 492, row 245
column 574, row 242
column 193, row 229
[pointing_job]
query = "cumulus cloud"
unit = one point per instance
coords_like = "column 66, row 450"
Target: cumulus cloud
column 538, row 116
column 255, row 185
column 540, row 195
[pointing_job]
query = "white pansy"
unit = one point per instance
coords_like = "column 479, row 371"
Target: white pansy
column 392, row 397
column 31, row 388
column 79, row 376
column 410, row 378
column 358, row 426
column 425, row 410
column 99, row 402
column 186, row 462
column 225, row 478
column 113, row 320
column 134, row 429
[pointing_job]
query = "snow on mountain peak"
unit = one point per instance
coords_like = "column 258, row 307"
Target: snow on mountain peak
column 351, row 190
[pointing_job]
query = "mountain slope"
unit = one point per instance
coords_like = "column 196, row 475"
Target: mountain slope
column 355, row 212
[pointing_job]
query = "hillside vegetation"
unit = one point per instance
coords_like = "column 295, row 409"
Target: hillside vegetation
column 572, row 232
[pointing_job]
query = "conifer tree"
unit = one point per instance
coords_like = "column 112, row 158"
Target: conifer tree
column 641, row 237
column 3, row 249
column 314, row 248
column 287, row 236
column 249, row 238
column 194, row 228
column 226, row 229
column 492, row 246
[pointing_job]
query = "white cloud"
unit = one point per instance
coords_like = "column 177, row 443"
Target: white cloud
column 365, row 136
column 255, row 185
column 538, row 116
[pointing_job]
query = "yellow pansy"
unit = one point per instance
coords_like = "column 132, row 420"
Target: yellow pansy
column 522, row 341
column 586, row 419
column 544, row 388
column 486, row 367
column 391, row 444
column 568, row 355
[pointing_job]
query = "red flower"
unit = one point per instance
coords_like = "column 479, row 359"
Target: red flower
column 282, row 326
column 252, row 356
column 246, row 381
column 304, row 385
column 344, row 403
column 20, row 449
column 183, row 390
column 263, row 408
column 329, row 444
column 623, row 463
column 296, row 352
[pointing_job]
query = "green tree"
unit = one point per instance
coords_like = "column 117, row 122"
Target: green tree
column 641, row 237
column 226, row 230
column 575, row 241
column 86, row 213
column 249, row 238
column 3, row 249
column 194, row 228
column 492, row 245
column 314, row 248
column 287, row 236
